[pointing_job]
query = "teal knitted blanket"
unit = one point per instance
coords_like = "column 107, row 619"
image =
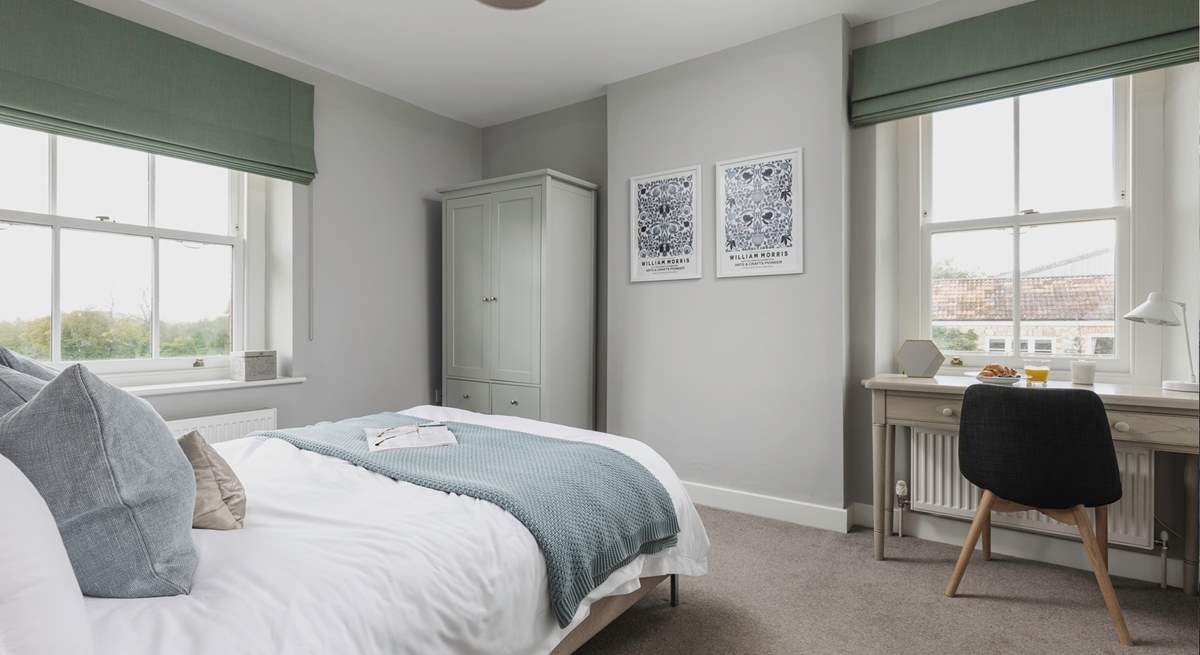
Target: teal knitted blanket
column 590, row 508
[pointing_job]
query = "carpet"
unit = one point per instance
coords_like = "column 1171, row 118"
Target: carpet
column 775, row 587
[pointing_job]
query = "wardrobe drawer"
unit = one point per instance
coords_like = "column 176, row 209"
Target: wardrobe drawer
column 924, row 410
column 469, row 395
column 513, row 400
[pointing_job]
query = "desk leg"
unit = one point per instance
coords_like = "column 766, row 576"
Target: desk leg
column 1191, row 545
column 878, row 466
column 889, row 479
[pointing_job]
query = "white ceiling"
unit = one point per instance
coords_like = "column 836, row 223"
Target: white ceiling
column 486, row 66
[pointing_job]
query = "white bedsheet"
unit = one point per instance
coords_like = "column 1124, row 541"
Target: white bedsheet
column 336, row 559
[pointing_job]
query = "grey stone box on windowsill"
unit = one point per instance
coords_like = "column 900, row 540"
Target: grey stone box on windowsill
column 919, row 358
column 253, row 365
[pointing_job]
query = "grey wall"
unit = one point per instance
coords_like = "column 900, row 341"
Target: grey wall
column 376, row 261
column 574, row 140
column 737, row 382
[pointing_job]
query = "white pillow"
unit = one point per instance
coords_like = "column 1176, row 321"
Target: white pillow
column 41, row 607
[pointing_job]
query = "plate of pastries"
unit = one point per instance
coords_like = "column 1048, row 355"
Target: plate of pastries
column 998, row 374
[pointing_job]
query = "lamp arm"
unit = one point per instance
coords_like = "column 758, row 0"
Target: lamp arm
column 1187, row 340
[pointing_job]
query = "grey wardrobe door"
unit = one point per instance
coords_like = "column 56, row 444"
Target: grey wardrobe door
column 517, row 276
column 467, row 268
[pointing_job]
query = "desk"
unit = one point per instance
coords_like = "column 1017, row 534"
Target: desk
column 1165, row 421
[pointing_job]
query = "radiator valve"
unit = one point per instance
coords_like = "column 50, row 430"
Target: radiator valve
column 901, row 504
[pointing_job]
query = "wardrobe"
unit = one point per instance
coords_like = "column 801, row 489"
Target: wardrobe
column 518, row 297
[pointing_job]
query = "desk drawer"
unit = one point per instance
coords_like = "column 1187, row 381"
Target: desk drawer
column 924, row 410
column 1162, row 429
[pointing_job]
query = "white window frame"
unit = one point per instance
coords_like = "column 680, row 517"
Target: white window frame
column 154, row 369
column 1121, row 212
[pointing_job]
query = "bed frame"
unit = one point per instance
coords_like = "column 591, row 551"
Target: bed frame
column 606, row 610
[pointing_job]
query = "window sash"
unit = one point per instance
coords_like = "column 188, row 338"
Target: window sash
column 156, row 363
column 1121, row 213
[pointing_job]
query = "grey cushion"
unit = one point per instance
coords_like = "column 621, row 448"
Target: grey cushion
column 25, row 365
column 119, row 487
column 17, row 388
column 220, row 497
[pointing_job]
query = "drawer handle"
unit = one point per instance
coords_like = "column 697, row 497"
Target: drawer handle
column 1121, row 426
column 947, row 411
column 514, row 403
column 466, row 396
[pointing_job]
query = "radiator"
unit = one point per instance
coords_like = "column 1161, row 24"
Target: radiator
column 223, row 427
column 937, row 487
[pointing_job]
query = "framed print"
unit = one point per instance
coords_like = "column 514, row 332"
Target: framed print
column 760, row 215
column 664, row 225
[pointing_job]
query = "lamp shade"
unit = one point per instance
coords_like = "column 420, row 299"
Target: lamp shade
column 1157, row 310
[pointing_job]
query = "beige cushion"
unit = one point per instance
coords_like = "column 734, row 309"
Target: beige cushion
column 220, row 497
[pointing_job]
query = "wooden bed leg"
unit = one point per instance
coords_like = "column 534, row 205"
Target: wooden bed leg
column 674, row 590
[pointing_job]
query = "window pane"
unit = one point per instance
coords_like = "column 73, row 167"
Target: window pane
column 99, row 180
column 24, row 170
column 195, row 297
column 972, row 162
column 971, row 294
column 189, row 196
column 106, row 297
column 1068, row 294
column 1067, row 148
column 25, row 292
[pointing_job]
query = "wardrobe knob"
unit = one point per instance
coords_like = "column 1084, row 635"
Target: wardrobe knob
column 1121, row 426
column 466, row 396
column 514, row 403
column 947, row 411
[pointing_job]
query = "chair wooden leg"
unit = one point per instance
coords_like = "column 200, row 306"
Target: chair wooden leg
column 1102, row 533
column 981, row 516
column 987, row 537
column 1106, row 588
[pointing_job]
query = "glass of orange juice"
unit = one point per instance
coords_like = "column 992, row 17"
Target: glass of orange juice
column 1037, row 371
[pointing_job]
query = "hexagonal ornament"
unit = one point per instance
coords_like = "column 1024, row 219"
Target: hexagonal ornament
column 919, row 358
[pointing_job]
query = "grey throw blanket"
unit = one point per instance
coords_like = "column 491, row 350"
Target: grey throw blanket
column 590, row 508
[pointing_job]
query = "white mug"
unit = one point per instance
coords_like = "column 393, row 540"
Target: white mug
column 1083, row 371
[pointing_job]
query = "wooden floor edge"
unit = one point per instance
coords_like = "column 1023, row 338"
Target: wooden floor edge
column 603, row 612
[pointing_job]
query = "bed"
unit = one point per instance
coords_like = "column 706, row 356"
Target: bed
column 335, row 558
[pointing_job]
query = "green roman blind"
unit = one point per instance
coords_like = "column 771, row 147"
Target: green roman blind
column 1029, row 47
column 69, row 69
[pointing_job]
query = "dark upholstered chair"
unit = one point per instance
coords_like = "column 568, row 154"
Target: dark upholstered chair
column 1048, row 450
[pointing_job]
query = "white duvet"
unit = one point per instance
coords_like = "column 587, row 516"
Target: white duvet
column 336, row 559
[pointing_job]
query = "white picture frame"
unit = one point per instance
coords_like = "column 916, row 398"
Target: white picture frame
column 759, row 223
column 666, row 225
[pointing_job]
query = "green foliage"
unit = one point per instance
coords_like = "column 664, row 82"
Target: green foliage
column 30, row 338
column 210, row 337
column 94, row 334
column 955, row 340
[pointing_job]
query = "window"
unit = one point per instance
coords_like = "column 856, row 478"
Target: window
column 1102, row 345
column 1023, row 222
column 116, row 257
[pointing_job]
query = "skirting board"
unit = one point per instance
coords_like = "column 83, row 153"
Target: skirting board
column 771, row 507
column 1145, row 566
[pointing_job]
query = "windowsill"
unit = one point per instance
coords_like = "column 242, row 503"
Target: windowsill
column 149, row 390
